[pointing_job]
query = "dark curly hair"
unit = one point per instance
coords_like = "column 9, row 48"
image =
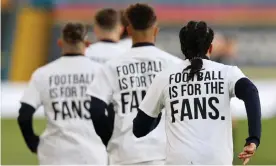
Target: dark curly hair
column 195, row 39
column 141, row 16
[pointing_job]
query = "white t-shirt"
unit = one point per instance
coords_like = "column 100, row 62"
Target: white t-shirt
column 104, row 51
column 126, row 43
column 60, row 87
column 198, row 117
column 124, row 82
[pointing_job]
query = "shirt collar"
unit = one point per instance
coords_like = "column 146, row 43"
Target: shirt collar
column 72, row 54
column 142, row 44
column 107, row 41
column 204, row 57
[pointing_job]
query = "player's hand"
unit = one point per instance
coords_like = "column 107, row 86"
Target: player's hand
column 248, row 152
column 33, row 144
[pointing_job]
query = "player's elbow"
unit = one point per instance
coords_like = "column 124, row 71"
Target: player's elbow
column 142, row 124
column 245, row 89
column 137, row 131
column 138, row 134
column 25, row 113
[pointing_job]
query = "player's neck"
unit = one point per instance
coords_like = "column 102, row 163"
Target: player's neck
column 72, row 52
column 208, row 55
column 108, row 37
column 77, row 49
column 137, row 40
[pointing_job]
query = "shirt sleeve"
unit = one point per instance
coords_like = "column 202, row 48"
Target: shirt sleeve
column 101, row 86
column 32, row 95
column 234, row 74
column 153, row 102
column 245, row 90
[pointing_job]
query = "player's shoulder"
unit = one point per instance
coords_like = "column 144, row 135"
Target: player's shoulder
column 99, row 45
column 175, row 68
column 165, row 55
column 228, row 69
column 80, row 61
column 115, row 61
column 124, row 55
column 162, row 78
column 92, row 49
column 95, row 46
column 125, row 43
column 218, row 65
column 100, row 49
column 160, row 52
column 46, row 68
column 88, row 63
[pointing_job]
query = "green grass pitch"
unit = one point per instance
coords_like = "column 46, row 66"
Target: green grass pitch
column 15, row 152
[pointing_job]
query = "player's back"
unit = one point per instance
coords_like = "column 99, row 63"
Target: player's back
column 103, row 51
column 132, row 74
column 198, row 113
column 69, row 135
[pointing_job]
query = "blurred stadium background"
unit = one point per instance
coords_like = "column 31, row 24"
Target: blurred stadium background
column 30, row 29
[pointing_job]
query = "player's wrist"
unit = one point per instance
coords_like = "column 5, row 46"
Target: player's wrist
column 253, row 140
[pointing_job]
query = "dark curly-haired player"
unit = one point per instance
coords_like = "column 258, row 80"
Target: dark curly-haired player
column 196, row 96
